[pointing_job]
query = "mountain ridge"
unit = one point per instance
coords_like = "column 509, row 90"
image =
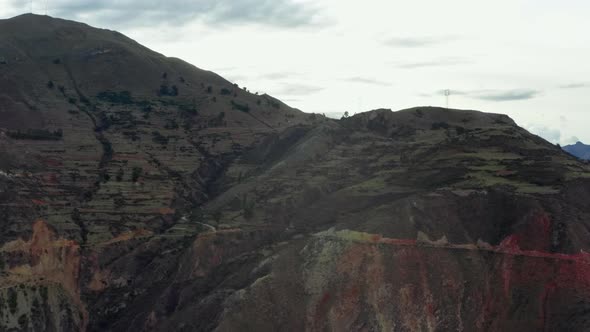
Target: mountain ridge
column 579, row 150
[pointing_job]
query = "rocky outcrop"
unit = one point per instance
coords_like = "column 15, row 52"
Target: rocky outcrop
column 40, row 283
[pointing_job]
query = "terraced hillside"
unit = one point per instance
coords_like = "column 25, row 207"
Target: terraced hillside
column 139, row 193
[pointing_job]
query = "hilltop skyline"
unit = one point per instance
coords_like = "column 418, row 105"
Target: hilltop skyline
column 524, row 58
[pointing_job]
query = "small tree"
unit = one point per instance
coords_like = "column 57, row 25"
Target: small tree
column 136, row 173
column 217, row 215
column 248, row 207
column 163, row 90
column 120, row 174
column 118, row 202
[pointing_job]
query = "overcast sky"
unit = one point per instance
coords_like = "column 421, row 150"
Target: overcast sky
column 525, row 58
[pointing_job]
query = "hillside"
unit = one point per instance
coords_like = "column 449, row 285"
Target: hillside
column 138, row 192
column 579, row 150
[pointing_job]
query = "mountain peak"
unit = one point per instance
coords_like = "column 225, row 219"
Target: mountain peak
column 579, row 150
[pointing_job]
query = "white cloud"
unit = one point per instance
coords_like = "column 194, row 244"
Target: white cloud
column 549, row 134
column 121, row 13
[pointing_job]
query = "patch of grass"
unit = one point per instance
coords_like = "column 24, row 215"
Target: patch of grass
column 577, row 175
column 483, row 179
column 37, row 134
column 482, row 155
column 488, row 167
column 371, row 185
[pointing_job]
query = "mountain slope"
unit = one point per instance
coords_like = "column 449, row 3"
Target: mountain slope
column 128, row 204
column 118, row 107
column 579, row 150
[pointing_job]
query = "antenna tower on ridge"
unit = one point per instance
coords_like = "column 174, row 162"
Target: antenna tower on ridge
column 448, row 96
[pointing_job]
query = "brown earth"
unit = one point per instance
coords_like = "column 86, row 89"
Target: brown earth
column 140, row 193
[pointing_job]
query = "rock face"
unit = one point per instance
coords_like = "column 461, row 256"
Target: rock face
column 579, row 150
column 140, row 193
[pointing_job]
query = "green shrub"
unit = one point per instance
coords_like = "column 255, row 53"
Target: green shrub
column 240, row 107
column 44, row 293
column 119, row 202
column 37, row 134
column 167, row 91
column 159, row 138
column 248, row 207
column 121, row 97
column 137, row 171
column 120, row 174
column 23, row 321
column 171, row 124
column 12, row 300
column 163, row 90
column 104, row 176
column 439, row 125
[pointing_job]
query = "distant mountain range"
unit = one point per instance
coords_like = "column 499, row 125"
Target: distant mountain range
column 579, row 150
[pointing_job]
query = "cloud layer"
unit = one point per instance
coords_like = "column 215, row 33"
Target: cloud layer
column 496, row 95
column 435, row 63
column 298, row 90
column 279, row 13
column 366, row 80
column 575, row 86
column 418, row 41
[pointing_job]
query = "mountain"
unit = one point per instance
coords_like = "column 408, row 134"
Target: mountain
column 138, row 192
column 579, row 150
